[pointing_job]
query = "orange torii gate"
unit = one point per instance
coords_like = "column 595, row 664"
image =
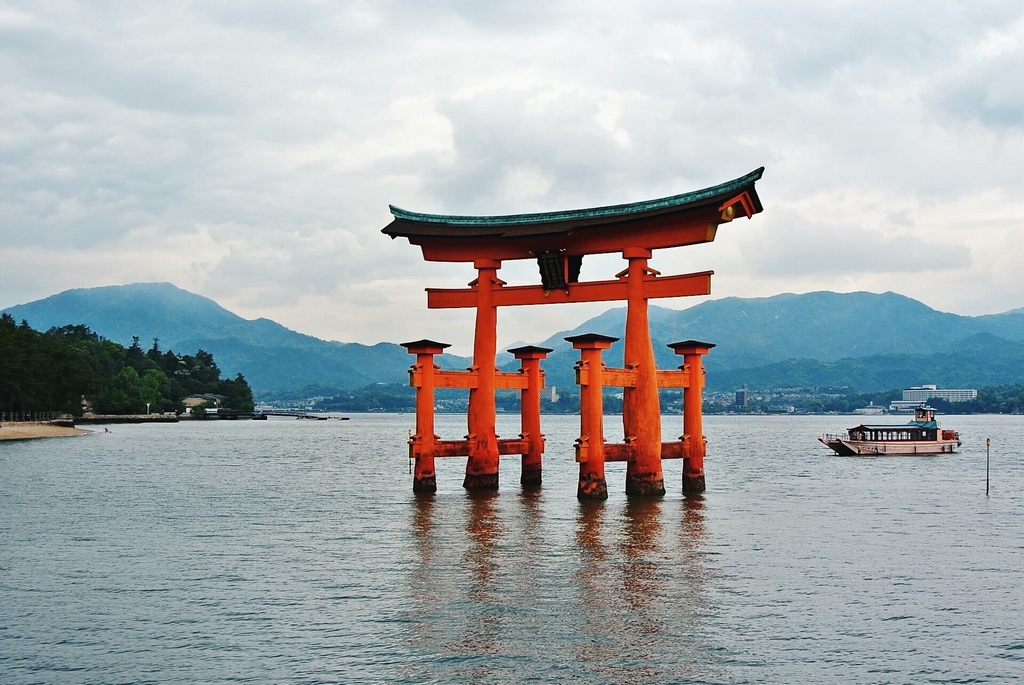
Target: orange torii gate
column 559, row 241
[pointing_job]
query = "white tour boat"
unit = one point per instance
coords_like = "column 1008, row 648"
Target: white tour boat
column 920, row 436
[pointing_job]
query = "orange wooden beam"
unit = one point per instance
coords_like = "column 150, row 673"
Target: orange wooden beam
column 617, row 378
column 684, row 285
column 618, row 451
column 626, row 378
column 674, row 379
column 624, row 451
column 460, row 448
column 456, row 379
column 676, row 450
column 503, row 380
column 514, row 446
column 443, row 378
column 513, row 380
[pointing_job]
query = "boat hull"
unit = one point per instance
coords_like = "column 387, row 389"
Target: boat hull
column 907, row 448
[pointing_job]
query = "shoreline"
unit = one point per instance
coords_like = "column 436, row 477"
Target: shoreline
column 31, row 430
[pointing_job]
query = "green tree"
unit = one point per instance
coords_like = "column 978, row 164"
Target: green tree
column 12, row 365
column 135, row 356
column 237, row 392
column 122, row 395
column 155, row 388
column 53, row 371
column 154, row 355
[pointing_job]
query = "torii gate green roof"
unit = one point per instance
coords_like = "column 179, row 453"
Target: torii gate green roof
column 408, row 223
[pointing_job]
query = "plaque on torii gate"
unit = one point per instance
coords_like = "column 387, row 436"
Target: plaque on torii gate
column 559, row 241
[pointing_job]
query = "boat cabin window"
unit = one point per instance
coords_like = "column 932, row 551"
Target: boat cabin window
column 894, row 434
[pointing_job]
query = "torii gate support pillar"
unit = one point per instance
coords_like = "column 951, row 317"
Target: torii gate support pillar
column 423, row 445
column 529, row 359
column 590, row 444
column 693, row 424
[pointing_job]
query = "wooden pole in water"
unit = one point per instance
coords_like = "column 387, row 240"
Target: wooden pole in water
column 988, row 445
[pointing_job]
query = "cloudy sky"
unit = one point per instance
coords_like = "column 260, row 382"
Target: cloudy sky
column 248, row 151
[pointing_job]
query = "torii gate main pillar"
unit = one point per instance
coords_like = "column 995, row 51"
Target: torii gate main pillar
column 482, row 465
column 641, row 408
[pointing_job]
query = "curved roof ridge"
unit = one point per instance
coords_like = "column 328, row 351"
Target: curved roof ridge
column 578, row 214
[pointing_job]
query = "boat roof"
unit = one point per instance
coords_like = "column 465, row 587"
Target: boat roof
column 895, row 426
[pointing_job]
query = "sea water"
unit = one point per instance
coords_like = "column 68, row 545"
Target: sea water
column 295, row 551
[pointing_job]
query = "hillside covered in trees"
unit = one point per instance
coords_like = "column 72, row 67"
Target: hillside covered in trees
column 55, row 370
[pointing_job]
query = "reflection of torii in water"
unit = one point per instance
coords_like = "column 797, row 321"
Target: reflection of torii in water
column 559, row 241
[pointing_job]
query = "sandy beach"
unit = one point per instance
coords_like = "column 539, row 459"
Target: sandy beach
column 27, row 431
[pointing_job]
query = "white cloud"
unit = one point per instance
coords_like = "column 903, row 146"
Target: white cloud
column 821, row 246
column 249, row 151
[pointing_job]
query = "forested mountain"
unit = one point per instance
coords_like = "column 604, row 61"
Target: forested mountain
column 55, row 370
column 817, row 339
column 270, row 356
column 862, row 340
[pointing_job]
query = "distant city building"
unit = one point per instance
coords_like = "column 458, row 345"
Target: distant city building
column 919, row 394
column 870, row 410
column 924, row 393
column 553, row 395
column 742, row 397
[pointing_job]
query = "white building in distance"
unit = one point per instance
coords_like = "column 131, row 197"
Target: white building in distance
column 920, row 394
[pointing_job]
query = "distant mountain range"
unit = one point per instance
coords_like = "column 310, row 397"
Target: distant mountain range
column 867, row 341
column 863, row 340
column 271, row 357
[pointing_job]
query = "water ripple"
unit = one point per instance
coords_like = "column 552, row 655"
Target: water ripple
column 295, row 551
